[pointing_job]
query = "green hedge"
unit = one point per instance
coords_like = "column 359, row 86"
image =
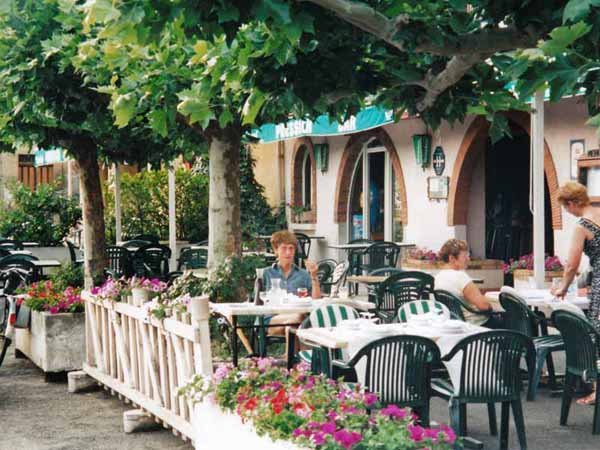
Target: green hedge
column 43, row 215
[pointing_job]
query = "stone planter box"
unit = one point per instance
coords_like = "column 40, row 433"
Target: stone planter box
column 488, row 270
column 210, row 425
column 521, row 277
column 54, row 342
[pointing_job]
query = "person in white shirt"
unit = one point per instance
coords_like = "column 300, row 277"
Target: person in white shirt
column 454, row 279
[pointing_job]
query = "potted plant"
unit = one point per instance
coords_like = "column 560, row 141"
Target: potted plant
column 143, row 289
column 55, row 341
column 233, row 279
column 272, row 408
column 522, row 269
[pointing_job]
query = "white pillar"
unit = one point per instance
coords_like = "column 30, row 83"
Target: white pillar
column 172, row 221
column 537, row 162
column 118, row 225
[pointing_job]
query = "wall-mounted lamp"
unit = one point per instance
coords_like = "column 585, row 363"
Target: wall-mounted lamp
column 322, row 156
column 422, row 147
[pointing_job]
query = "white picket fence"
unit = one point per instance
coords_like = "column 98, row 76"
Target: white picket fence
column 146, row 360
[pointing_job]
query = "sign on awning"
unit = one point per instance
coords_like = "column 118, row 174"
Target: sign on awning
column 51, row 156
column 366, row 119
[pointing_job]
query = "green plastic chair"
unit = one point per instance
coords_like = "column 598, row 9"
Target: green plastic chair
column 399, row 289
column 192, row 259
column 381, row 272
column 356, row 260
column 152, row 261
column 380, row 254
column 326, row 316
column 519, row 317
column 418, row 307
column 338, row 277
column 456, row 304
column 398, row 369
column 582, row 343
column 119, row 262
column 489, row 362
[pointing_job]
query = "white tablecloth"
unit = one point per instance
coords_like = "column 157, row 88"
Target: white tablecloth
column 445, row 340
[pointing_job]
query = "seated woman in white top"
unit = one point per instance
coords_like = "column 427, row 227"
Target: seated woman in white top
column 454, row 279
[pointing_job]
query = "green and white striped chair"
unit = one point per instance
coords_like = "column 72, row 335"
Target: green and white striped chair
column 406, row 311
column 325, row 316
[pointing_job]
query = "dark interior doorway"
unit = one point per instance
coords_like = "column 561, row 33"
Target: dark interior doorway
column 509, row 222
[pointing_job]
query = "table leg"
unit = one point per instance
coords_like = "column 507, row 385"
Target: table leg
column 262, row 337
column 234, row 342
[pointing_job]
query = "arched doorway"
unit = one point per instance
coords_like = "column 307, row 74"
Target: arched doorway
column 370, row 164
column 495, row 178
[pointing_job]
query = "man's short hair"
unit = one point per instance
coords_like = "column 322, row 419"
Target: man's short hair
column 283, row 237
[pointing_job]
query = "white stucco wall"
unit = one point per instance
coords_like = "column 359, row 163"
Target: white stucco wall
column 428, row 219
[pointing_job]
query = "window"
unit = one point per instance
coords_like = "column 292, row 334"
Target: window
column 304, row 181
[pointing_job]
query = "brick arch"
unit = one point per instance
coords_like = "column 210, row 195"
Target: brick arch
column 470, row 148
column 353, row 149
column 301, row 146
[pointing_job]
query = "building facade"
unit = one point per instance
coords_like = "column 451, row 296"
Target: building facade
column 484, row 199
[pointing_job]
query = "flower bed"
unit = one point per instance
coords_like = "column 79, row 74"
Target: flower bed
column 295, row 409
column 522, row 270
column 55, row 341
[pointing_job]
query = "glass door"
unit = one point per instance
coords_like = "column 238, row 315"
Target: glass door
column 371, row 215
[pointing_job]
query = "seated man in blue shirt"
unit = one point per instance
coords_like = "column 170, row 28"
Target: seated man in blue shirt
column 284, row 245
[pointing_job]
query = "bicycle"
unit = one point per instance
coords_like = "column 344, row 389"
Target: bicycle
column 11, row 278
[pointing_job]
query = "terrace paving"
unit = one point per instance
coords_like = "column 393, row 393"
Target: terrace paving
column 38, row 415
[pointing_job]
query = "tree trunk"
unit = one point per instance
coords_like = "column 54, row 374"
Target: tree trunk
column 224, row 227
column 93, row 212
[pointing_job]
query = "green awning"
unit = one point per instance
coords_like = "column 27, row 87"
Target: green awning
column 366, row 119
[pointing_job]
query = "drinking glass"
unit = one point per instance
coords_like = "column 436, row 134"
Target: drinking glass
column 265, row 297
column 571, row 291
column 556, row 283
column 275, row 284
column 302, row 292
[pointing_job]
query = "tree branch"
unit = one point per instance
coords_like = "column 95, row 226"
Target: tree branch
column 486, row 40
column 364, row 17
column 456, row 68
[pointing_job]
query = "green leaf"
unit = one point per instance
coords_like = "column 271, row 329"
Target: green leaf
column 276, row 9
column 499, row 128
column 158, row 122
column 578, row 9
column 459, row 5
column 5, row 6
column 562, row 37
column 478, row 110
column 197, row 110
column 123, row 109
column 99, row 11
column 252, row 106
column 225, row 118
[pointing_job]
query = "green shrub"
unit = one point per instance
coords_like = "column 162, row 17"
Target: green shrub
column 145, row 205
column 68, row 275
column 43, row 215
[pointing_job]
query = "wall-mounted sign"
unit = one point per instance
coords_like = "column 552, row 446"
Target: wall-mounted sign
column 439, row 160
column 437, row 188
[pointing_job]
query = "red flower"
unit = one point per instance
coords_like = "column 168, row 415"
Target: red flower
column 251, row 403
column 279, row 401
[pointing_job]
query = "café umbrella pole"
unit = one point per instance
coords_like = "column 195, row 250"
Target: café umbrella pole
column 537, row 187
